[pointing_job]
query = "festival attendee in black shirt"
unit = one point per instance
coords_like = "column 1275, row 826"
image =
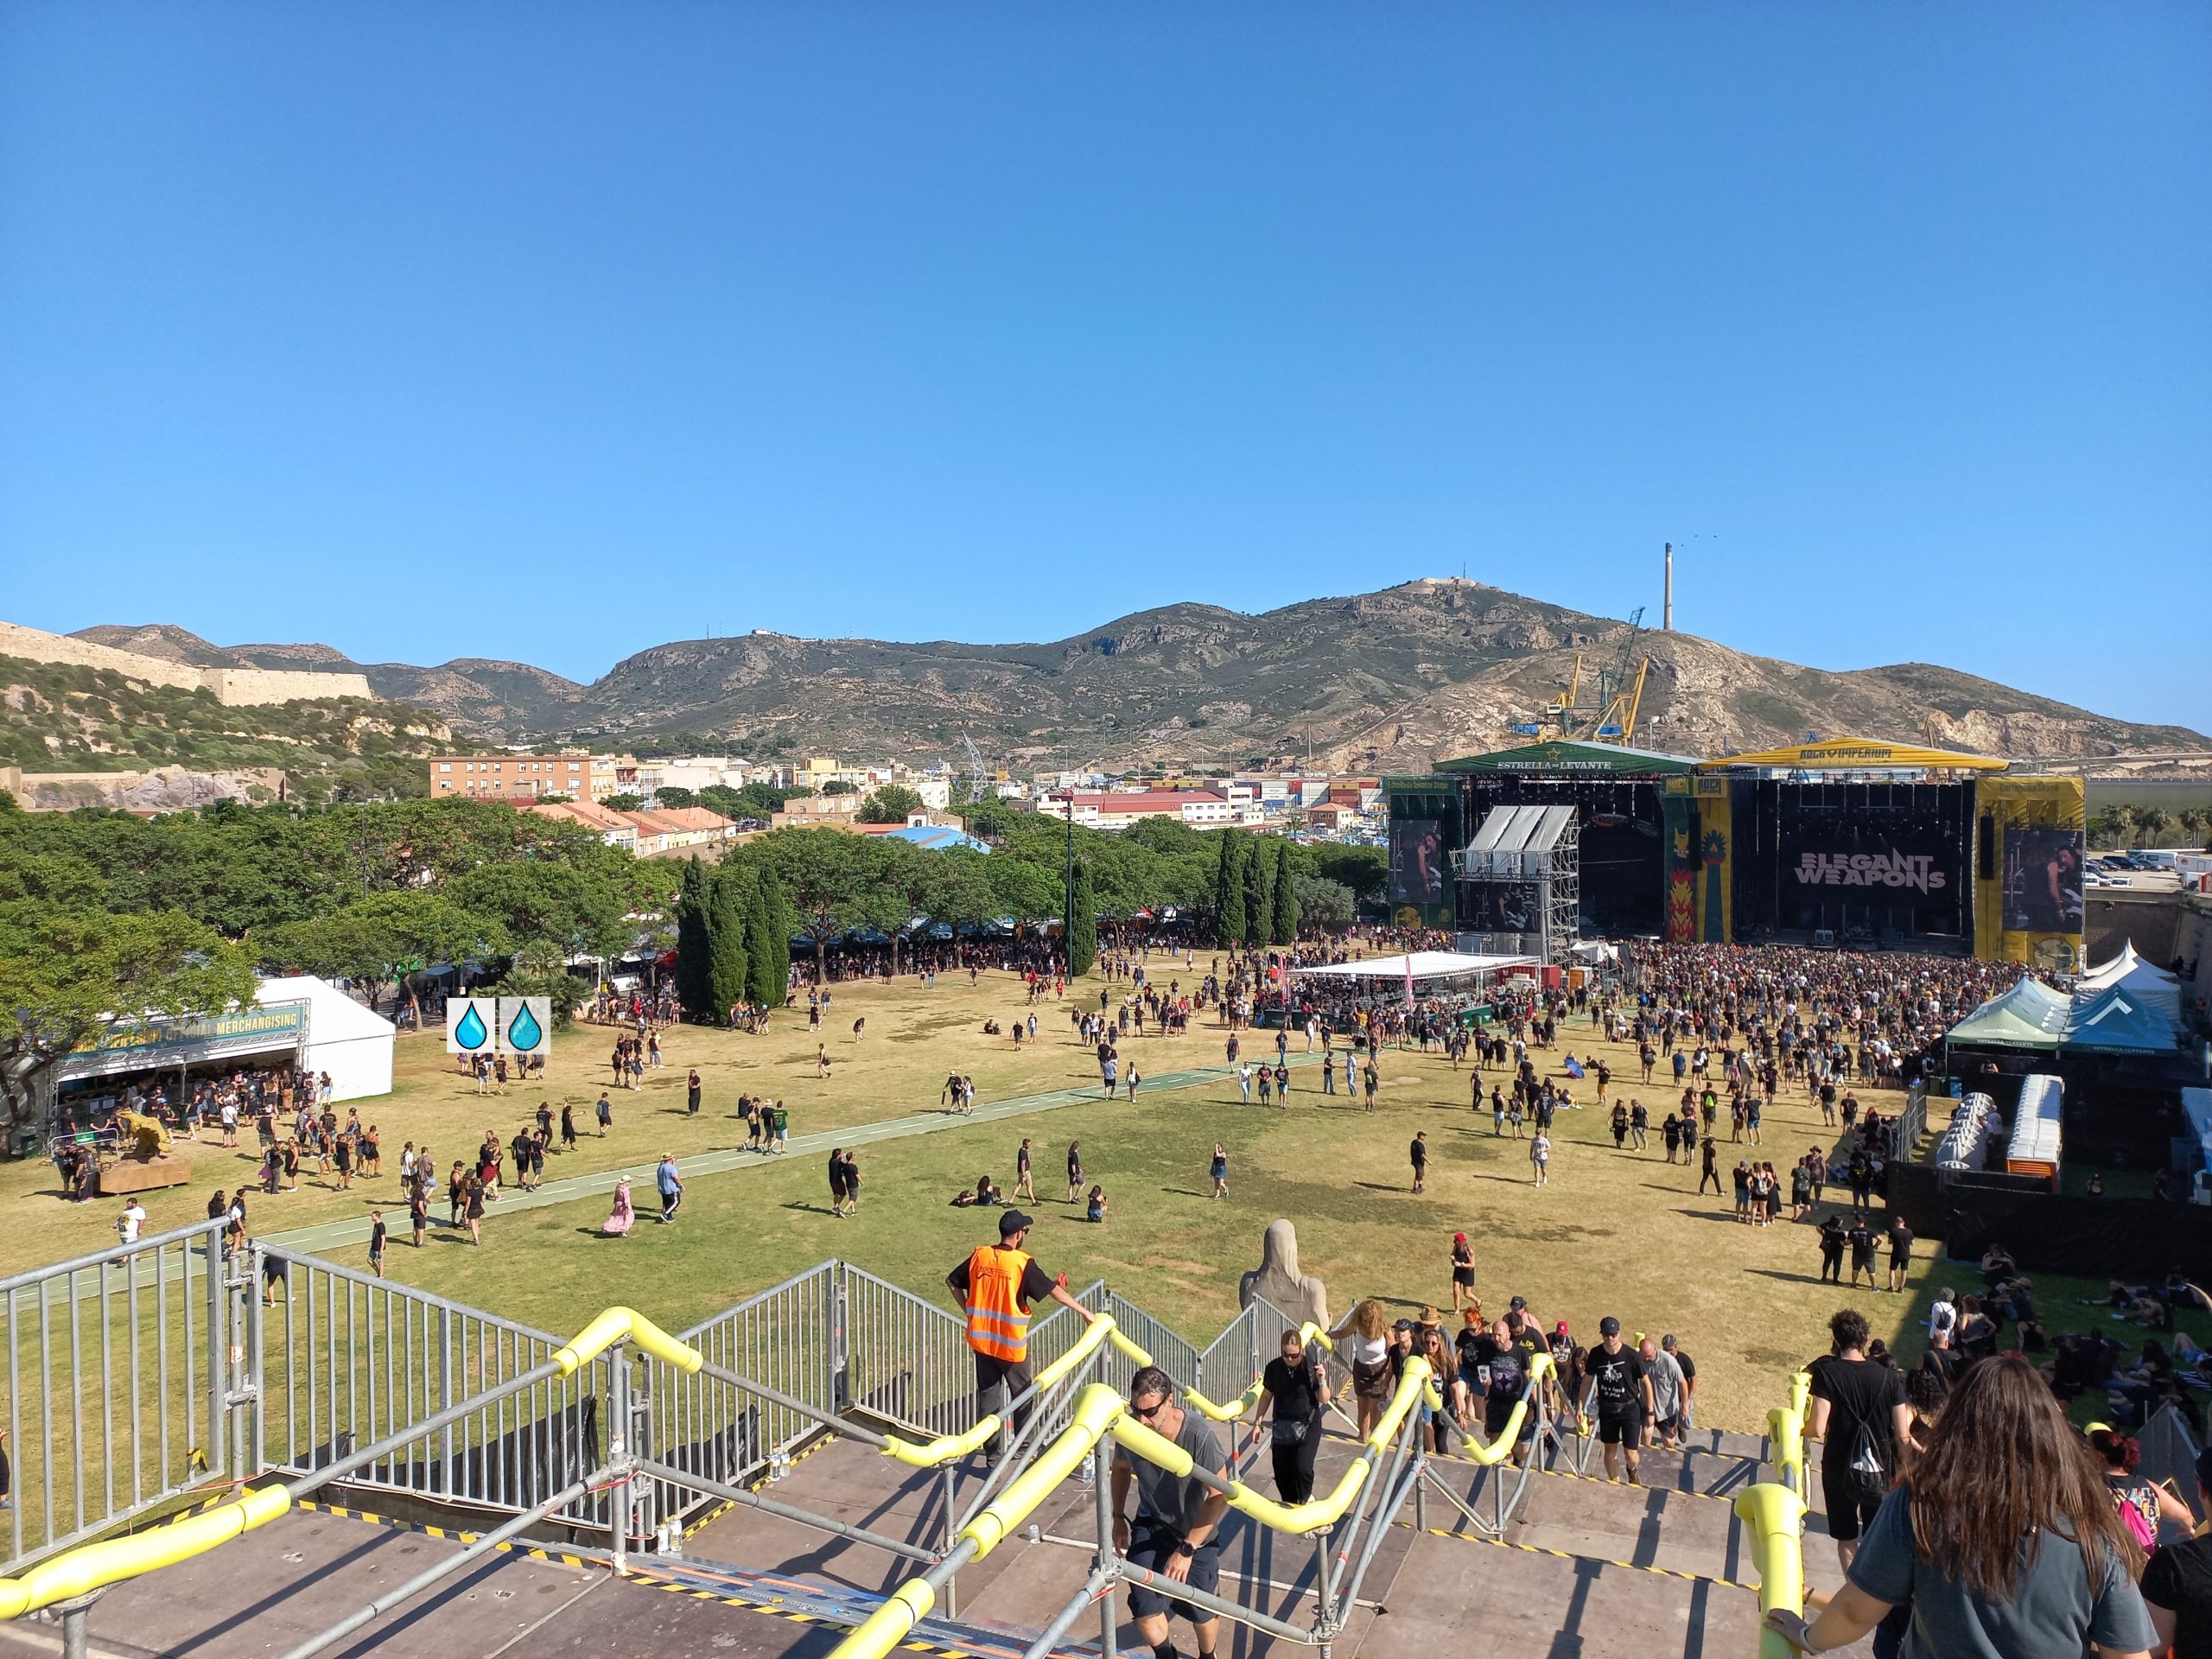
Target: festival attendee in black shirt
column 1832, row 1235
column 1859, row 1414
column 1862, row 1251
column 2178, row 1584
column 1623, row 1396
column 1294, row 1382
column 1900, row 1252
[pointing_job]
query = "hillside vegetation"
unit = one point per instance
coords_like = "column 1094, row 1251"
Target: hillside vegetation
column 1388, row 681
column 57, row 717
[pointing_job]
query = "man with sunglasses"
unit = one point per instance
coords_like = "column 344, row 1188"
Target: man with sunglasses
column 1178, row 1531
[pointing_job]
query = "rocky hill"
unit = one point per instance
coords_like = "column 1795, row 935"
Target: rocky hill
column 1386, row 681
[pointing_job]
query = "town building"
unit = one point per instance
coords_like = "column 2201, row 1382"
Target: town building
column 1200, row 808
column 512, row 777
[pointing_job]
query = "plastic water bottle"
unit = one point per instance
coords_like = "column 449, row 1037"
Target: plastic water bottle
column 1086, row 1473
column 779, row 1465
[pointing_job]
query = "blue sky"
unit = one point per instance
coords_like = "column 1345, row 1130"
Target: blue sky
column 552, row 331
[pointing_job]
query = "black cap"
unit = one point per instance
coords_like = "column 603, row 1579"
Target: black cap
column 1516, row 1305
column 1609, row 1326
column 1012, row 1222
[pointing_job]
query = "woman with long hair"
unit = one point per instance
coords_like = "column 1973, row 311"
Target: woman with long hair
column 1369, row 1327
column 2004, row 1541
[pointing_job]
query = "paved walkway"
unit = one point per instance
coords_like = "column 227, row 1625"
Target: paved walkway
column 330, row 1235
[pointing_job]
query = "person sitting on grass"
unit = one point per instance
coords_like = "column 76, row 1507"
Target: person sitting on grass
column 1095, row 1207
column 989, row 1191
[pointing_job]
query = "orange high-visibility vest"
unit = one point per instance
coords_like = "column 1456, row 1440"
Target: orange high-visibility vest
column 997, row 1324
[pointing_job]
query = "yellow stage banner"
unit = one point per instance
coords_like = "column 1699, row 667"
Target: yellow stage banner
column 2029, row 851
column 1715, row 861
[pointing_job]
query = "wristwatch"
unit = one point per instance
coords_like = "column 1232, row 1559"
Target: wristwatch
column 1186, row 1551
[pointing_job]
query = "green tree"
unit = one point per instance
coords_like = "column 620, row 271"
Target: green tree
column 1323, row 904
column 841, row 786
column 1081, row 922
column 769, row 940
column 65, row 974
column 1229, row 889
column 1259, row 891
column 694, row 945
column 825, row 877
column 382, row 937
column 540, row 970
column 675, row 795
column 1285, row 896
column 2155, row 821
column 730, row 897
column 891, row 804
column 1365, row 870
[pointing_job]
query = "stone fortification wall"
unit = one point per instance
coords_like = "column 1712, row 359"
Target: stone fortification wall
column 232, row 687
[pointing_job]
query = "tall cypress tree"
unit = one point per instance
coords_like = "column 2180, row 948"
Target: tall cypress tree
column 725, row 953
column 1259, row 892
column 694, row 945
column 1082, row 925
column 768, row 941
column 1229, row 889
column 1285, row 912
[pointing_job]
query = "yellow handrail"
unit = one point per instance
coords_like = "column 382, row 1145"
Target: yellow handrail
column 1509, row 1435
column 1775, row 1513
column 92, row 1567
column 945, row 1448
column 1776, row 1516
column 1099, row 1411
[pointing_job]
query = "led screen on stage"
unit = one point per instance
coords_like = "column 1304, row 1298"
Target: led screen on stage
column 2043, row 881
column 1416, row 863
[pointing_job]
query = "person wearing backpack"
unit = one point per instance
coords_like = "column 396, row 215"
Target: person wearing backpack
column 1859, row 1414
column 2142, row 1502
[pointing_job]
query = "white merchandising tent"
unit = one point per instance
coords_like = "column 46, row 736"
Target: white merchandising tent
column 1422, row 964
column 2149, row 984
column 351, row 1043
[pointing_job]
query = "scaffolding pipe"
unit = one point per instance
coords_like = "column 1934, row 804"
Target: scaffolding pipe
column 1101, row 1582
column 655, row 1470
column 422, row 1580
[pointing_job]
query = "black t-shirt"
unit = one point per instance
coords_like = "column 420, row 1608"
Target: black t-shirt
column 1508, row 1368
column 2179, row 1578
column 1900, row 1239
column 1616, row 1376
column 1862, row 1242
column 1296, row 1393
column 1473, row 1347
column 1419, row 1151
column 1858, row 1391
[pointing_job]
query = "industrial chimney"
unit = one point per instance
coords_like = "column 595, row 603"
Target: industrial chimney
column 1667, row 612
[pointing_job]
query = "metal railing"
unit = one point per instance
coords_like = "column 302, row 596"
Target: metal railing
column 118, row 1378
column 341, row 1359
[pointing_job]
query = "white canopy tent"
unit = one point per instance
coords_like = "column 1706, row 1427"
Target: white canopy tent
column 1425, row 964
column 2146, row 982
column 344, row 1039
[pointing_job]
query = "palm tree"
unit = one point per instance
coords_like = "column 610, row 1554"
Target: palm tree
column 2155, row 821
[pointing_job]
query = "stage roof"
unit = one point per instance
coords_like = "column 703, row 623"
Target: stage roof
column 1427, row 964
column 1856, row 754
column 1521, row 829
column 1566, row 755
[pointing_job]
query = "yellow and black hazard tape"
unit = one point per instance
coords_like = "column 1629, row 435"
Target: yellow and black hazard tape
column 716, row 1512
column 1671, row 1491
column 643, row 1572
column 1571, row 1555
column 454, row 1534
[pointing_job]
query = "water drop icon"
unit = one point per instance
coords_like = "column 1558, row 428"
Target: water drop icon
column 523, row 1031
column 470, row 1033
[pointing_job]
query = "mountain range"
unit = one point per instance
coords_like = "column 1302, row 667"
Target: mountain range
column 1388, row 681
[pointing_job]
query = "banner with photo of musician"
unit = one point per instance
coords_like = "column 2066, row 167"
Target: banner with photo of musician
column 1503, row 906
column 2043, row 881
column 1417, row 874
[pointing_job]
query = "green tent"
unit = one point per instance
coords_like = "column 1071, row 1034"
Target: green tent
column 2030, row 1015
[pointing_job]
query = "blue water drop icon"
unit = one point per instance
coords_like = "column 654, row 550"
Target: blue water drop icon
column 470, row 1033
column 523, row 1031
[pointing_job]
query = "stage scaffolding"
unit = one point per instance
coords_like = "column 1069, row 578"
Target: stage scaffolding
column 1520, row 883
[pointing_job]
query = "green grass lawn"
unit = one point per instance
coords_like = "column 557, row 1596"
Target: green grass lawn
column 1615, row 1232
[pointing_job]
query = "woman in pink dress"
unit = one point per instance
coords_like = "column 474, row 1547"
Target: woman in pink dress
column 619, row 1222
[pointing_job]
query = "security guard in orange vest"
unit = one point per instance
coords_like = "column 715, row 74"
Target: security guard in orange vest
column 996, row 1284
